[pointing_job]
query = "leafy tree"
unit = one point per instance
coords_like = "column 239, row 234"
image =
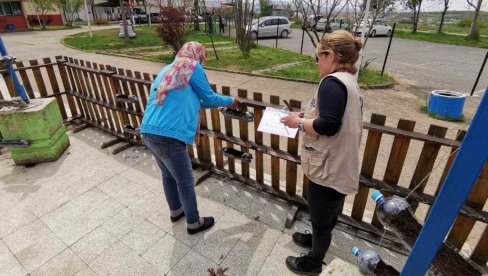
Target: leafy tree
column 42, row 7
column 69, row 8
column 266, row 7
column 473, row 30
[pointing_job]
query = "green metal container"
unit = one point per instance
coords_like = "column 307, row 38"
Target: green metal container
column 41, row 124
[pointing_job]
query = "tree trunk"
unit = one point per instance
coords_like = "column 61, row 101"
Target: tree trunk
column 124, row 22
column 474, row 24
column 442, row 19
column 196, row 25
column 416, row 16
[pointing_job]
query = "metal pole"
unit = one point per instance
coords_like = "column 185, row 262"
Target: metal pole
column 88, row 19
column 479, row 74
column 388, row 50
column 303, row 35
column 257, row 35
column 18, row 87
column 466, row 168
column 277, row 30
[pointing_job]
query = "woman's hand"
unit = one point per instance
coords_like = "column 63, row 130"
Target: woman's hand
column 236, row 104
column 291, row 120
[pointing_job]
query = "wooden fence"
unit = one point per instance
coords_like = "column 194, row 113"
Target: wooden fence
column 86, row 91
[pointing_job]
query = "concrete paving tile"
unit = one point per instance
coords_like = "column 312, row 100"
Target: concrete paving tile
column 150, row 204
column 120, row 260
column 285, row 247
column 86, row 272
column 122, row 223
column 130, row 157
column 338, row 267
column 341, row 246
column 149, row 167
column 166, row 253
column 192, row 264
column 249, row 254
column 397, row 260
column 66, row 263
column 123, row 190
column 275, row 215
column 298, row 226
column 178, row 230
column 142, row 237
column 43, row 250
column 14, row 219
column 9, row 266
column 210, row 208
column 26, row 236
column 274, row 267
column 92, row 245
column 82, row 215
column 149, row 182
column 215, row 244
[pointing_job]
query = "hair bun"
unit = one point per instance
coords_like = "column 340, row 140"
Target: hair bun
column 358, row 44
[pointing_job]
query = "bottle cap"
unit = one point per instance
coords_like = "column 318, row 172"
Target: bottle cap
column 377, row 197
column 355, row 250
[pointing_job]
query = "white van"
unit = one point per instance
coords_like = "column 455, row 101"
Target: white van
column 270, row 26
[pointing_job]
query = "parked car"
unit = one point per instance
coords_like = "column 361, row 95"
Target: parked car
column 335, row 24
column 271, row 26
column 379, row 28
column 155, row 17
column 139, row 15
column 312, row 21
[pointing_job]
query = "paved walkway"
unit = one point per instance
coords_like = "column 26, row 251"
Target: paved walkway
column 93, row 213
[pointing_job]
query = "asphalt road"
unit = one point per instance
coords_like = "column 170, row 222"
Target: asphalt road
column 424, row 64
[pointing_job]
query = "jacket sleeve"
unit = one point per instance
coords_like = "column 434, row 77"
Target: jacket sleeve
column 208, row 98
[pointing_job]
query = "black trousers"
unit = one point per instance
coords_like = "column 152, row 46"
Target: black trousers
column 324, row 205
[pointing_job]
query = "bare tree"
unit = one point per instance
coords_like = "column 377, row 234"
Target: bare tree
column 444, row 11
column 196, row 25
column 473, row 29
column 378, row 9
column 244, row 10
column 124, row 22
column 69, row 8
column 414, row 6
column 42, row 7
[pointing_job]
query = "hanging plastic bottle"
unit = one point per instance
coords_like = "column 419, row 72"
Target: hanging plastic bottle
column 370, row 263
column 396, row 214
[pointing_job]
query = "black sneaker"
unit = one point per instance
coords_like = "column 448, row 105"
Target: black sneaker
column 208, row 222
column 304, row 240
column 175, row 219
column 304, row 265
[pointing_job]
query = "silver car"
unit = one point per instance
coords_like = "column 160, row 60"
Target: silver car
column 269, row 26
column 335, row 24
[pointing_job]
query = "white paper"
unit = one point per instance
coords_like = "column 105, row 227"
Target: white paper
column 270, row 123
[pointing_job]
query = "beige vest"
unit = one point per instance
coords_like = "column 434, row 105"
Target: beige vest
column 333, row 161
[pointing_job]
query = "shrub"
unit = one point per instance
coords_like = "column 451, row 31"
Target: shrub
column 465, row 22
column 101, row 22
column 172, row 27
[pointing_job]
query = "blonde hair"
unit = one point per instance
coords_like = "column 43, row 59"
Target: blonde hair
column 345, row 47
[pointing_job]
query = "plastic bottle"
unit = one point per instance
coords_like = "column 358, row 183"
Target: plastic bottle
column 370, row 263
column 396, row 215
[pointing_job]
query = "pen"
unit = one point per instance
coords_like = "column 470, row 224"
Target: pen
column 287, row 105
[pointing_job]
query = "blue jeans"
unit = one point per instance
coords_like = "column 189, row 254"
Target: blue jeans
column 178, row 182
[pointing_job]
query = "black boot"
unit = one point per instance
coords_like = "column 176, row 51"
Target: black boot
column 304, row 265
column 303, row 240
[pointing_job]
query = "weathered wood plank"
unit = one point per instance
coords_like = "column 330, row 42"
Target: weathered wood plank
column 291, row 167
column 229, row 132
column 275, row 144
column 258, row 138
column 370, row 156
column 244, row 134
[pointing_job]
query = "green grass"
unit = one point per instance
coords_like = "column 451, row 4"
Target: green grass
column 424, row 109
column 442, row 38
column 232, row 59
column 55, row 28
column 105, row 40
column 260, row 58
column 308, row 71
column 295, row 25
column 447, row 28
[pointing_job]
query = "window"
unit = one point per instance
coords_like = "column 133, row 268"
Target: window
column 273, row 22
column 10, row 8
column 283, row 21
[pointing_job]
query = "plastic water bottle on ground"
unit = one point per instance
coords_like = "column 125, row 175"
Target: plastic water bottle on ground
column 370, row 263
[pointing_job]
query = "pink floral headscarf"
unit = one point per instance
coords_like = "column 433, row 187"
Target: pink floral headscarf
column 180, row 73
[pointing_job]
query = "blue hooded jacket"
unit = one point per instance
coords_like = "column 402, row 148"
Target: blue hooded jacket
column 178, row 116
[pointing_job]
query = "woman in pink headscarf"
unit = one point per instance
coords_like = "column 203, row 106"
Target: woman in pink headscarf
column 171, row 122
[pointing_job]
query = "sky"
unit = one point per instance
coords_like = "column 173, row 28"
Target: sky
column 457, row 5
